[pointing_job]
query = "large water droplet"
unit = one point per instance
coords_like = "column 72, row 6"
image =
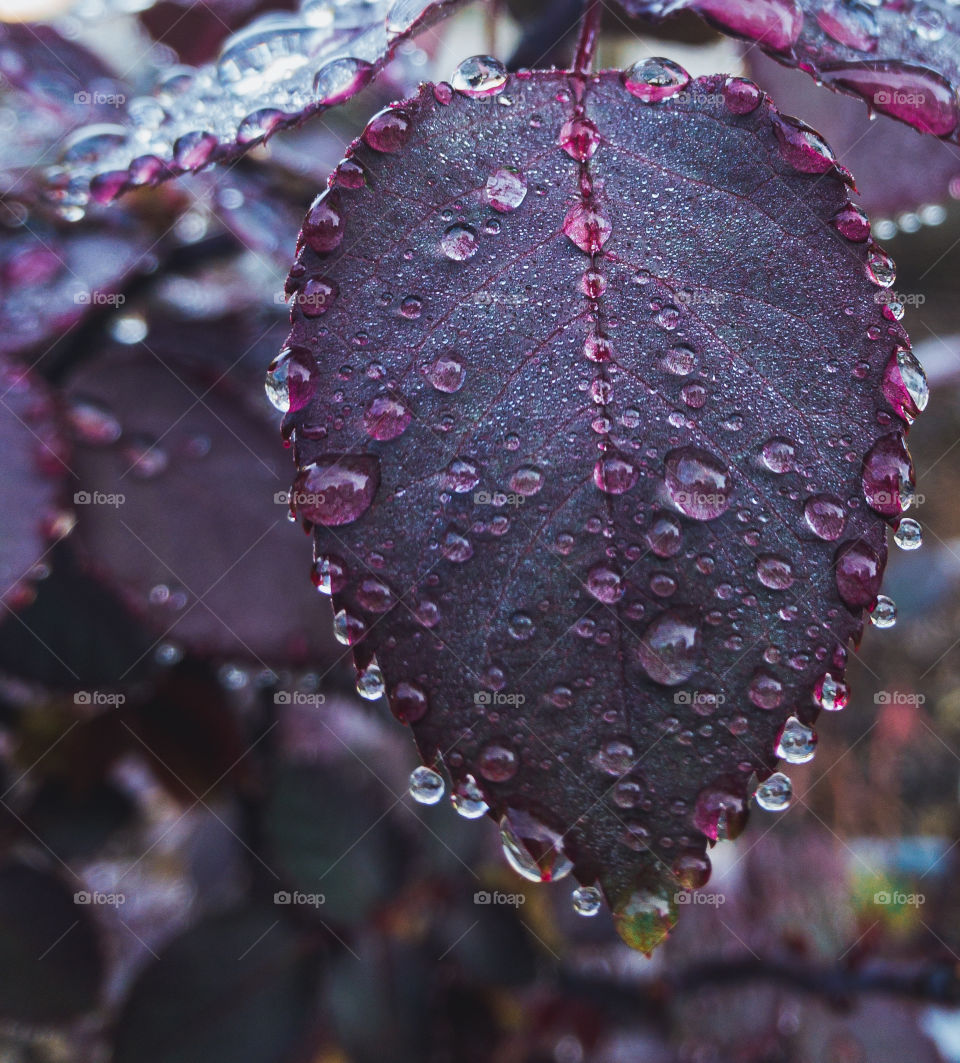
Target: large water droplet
column 426, row 786
column 665, row 536
column 719, row 813
column 579, row 138
column 698, row 482
column 336, row 488
column 850, row 24
column 459, row 243
column 775, row 794
column 775, row 24
column 446, row 374
column 480, row 75
column 654, row 79
column 905, row 384
column 670, row 647
column 505, row 189
column 916, row 96
column 798, row 743
column 615, row 474
column 778, row 454
column 888, row 476
column 323, row 225
column 615, row 757
column 825, row 516
column 587, row 227
column 388, row 130
column 741, row 95
column 291, row 379
column 802, row 147
column 909, row 534
column 858, row 573
column 533, row 849
column 605, row 584
column 460, row 476
column 468, row 799
column 386, row 418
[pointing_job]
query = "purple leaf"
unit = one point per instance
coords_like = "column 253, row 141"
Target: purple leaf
column 580, row 387
column 177, row 505
column 271, row 75
column 897, row 171
column 32, row 485
column 901, row 58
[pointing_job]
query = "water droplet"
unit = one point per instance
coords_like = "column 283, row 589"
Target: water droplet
column 409, row 703
column 605, row 584
column 459, row 243
column 775, row 24
column 905, row 384
column 460, row 476
column 426, row 786
column 655, row 79
column 323, row 226
column 329, row 574
column 668, row 317
column 521, row 626
column 919, row 97
column 480, row 75
column 775, row 794
column 446, row 374
column 497, row 763
column 586, row 900
column 92, row 424
column 774, row 572
column 527, row 480
column 831, row 694
column 927, row 22
column 850, row 24
column 719, row 813
column 802, row 147
column 316, row 296
column 386, row 418
column 888, row 476
column 614, row 474
column 337, row 488
column 909, row 534
column 505, row 189
column 884, row 612
column 880, row 267
column 370, row 685
column 579, row 138
column 533, row 849
column 587, row 227
column 291, row 379
column 456, row 547
column 615, row 757
column 765, row 691
column 679, row 360
column 851, row 223
column 643, row 919
column 388, row 130
column 778, row 454
column 798, row 743
column 698, row 482
column 825, row 516
column 670, row 647
column 858, row 573
column 692, row 870
column 741, row 96
column 194, row 149
column 468, row 799
column 665, row 536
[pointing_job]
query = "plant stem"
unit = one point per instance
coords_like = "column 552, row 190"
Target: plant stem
column 587, row 42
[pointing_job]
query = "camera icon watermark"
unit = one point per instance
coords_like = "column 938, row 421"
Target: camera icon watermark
column 98, row 498
column 98, row 897
column 892, row 98
column 298, row 498
column 298, row 697
column 498, row 498
column 497, row 697
column 297, row 897
column 510, row 900
column 98, row 698
column 698, row 697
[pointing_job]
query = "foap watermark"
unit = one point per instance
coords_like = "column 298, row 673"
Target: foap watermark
column 897, row 500
column 298, row 697
column 497, row 697
column 94, row 98
column 313, row 300
column 698, row 697
column 694, row 897
column 98, row 698
column 297, row 897
column 498, row 498
column 698, row 297
column 109, row 900
column 299, row 498
column 510, row 900
column 98, row 498
column 898, row 697
column 888, row 296
column 892, row 98
column 899, row 898
column 86, row 298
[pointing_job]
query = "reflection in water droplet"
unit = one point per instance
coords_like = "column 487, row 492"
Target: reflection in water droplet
column 468, row 799
column 831, row 694
column 337, row 488
column 670, row 647
column 909, row 534
column 370, row 685
column 579, row 138
column 774, row 572
column 505, row 189
column 426, row 786
column 446, row 374
column 587, row 227
column 798, row 743
column 654, row 79
column 825, row 516
column 586, row 900
column 605, row 584
column 698, row 482
column 480, row 75
column 533, row 849
column 884, row 612
column 614, row 474
column 388, row 130
column 386, row 418
column 459, row 243
column 775, row 794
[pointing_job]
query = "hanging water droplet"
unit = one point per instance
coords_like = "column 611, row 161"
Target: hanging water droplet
column 888, row 476
column 775, row 794
column 329, row 574
column 880, row 268
column 388, row 130
column 884, row 612
column 909, row 534
column 798, row 743
column 337, row 488
column 468, row 800
column 480, row 75
column 852, row 224
column 586, row 900
column 905, row 384
column 426, row 786
column 370, row 685
column 291, row 379
column 347, row 629
column 655, row 79
column 533, row 849
column 831, row 694
column 459, row 243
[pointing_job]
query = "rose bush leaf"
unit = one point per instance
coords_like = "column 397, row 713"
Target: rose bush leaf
column 586, row 382
column 902, row 60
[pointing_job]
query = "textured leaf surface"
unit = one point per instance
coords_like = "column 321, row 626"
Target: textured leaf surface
column 31, row 486
column 274, row 73
column 586, row 506
column 901, row 58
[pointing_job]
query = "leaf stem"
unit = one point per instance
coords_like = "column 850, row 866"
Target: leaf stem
column 587, row 41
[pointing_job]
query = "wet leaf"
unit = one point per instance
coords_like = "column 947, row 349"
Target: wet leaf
column 903, row 60
column 580, row 397
column 274, row 73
